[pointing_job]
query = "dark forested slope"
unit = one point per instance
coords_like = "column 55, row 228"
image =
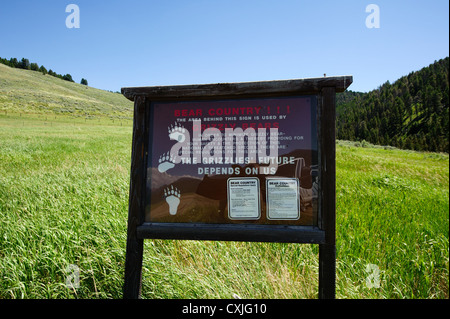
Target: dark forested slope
column 411, row 113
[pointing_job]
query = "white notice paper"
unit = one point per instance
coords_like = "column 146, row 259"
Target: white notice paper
column 243, row 198
column 282, row 198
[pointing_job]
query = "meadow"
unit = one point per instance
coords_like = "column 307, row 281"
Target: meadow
column 64, row 185
column 24, row 92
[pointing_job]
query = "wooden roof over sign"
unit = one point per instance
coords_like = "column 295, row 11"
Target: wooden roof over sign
column 239, row 89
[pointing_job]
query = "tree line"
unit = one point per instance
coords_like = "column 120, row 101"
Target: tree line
column 26, row 65
column 411, row 113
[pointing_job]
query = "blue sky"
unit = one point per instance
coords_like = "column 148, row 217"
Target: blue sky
column 145, row 43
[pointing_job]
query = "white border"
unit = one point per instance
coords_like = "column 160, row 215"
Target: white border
column 258, row 200
column 268, row 202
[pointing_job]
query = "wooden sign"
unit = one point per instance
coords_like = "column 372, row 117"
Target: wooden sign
column 237, row 162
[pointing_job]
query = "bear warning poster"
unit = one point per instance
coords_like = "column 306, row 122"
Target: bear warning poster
column 233, row 161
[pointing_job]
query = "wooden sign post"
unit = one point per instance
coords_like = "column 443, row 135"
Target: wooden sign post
column 248, row 161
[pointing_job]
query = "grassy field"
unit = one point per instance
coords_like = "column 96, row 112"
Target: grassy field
column 24, row 91
column 64, row 199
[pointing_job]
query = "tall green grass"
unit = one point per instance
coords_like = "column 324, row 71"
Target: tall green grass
column 392, row 211
column 64, row 200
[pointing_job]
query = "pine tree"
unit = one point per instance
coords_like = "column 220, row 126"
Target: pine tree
column 43, row 70
column 24, row 64
column 34, row 67
column 14, row 63
column 67, row 77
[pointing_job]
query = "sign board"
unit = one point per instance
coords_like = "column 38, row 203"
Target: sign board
column 236, row 161
column 211, row 161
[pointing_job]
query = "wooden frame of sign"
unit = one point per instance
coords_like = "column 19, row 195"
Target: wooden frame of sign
column 230, row 198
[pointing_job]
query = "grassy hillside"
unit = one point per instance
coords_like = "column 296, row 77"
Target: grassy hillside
column 64, row 199
column 25, row 91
